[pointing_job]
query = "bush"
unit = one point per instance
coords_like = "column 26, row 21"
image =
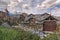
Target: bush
column 12, row 23
column 1, row 22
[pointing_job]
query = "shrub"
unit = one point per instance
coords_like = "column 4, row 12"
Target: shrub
column 1, row 22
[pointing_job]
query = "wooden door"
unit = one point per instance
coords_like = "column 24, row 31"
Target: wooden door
column 49, row 25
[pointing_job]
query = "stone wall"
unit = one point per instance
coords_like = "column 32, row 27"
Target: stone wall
column 35, row 27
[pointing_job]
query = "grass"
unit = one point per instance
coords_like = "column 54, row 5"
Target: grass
column 19, row 34
column 13, row 34
column 51, row 37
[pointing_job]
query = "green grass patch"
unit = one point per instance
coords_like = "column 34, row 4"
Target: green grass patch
column 14, row 34
column 19, row 34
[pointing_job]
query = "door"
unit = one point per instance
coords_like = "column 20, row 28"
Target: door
column 49, row 25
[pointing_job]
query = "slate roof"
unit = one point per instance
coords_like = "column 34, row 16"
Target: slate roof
column 39, row 17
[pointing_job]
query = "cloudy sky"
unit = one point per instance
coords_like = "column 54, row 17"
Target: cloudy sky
column 31, row 6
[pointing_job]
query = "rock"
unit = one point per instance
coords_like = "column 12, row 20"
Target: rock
column 5, row 24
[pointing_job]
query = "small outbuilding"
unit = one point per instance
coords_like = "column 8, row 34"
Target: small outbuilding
column 50, row 24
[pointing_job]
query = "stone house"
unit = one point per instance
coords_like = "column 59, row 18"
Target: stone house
column 36, row 21
column 4, row 15
column 22, row 17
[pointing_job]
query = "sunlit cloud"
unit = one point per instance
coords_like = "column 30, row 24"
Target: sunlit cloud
column 26, row 6
column 58, row 1
column 20, row 0
column 48, row 3
column 56, row 11
column 38, row 6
